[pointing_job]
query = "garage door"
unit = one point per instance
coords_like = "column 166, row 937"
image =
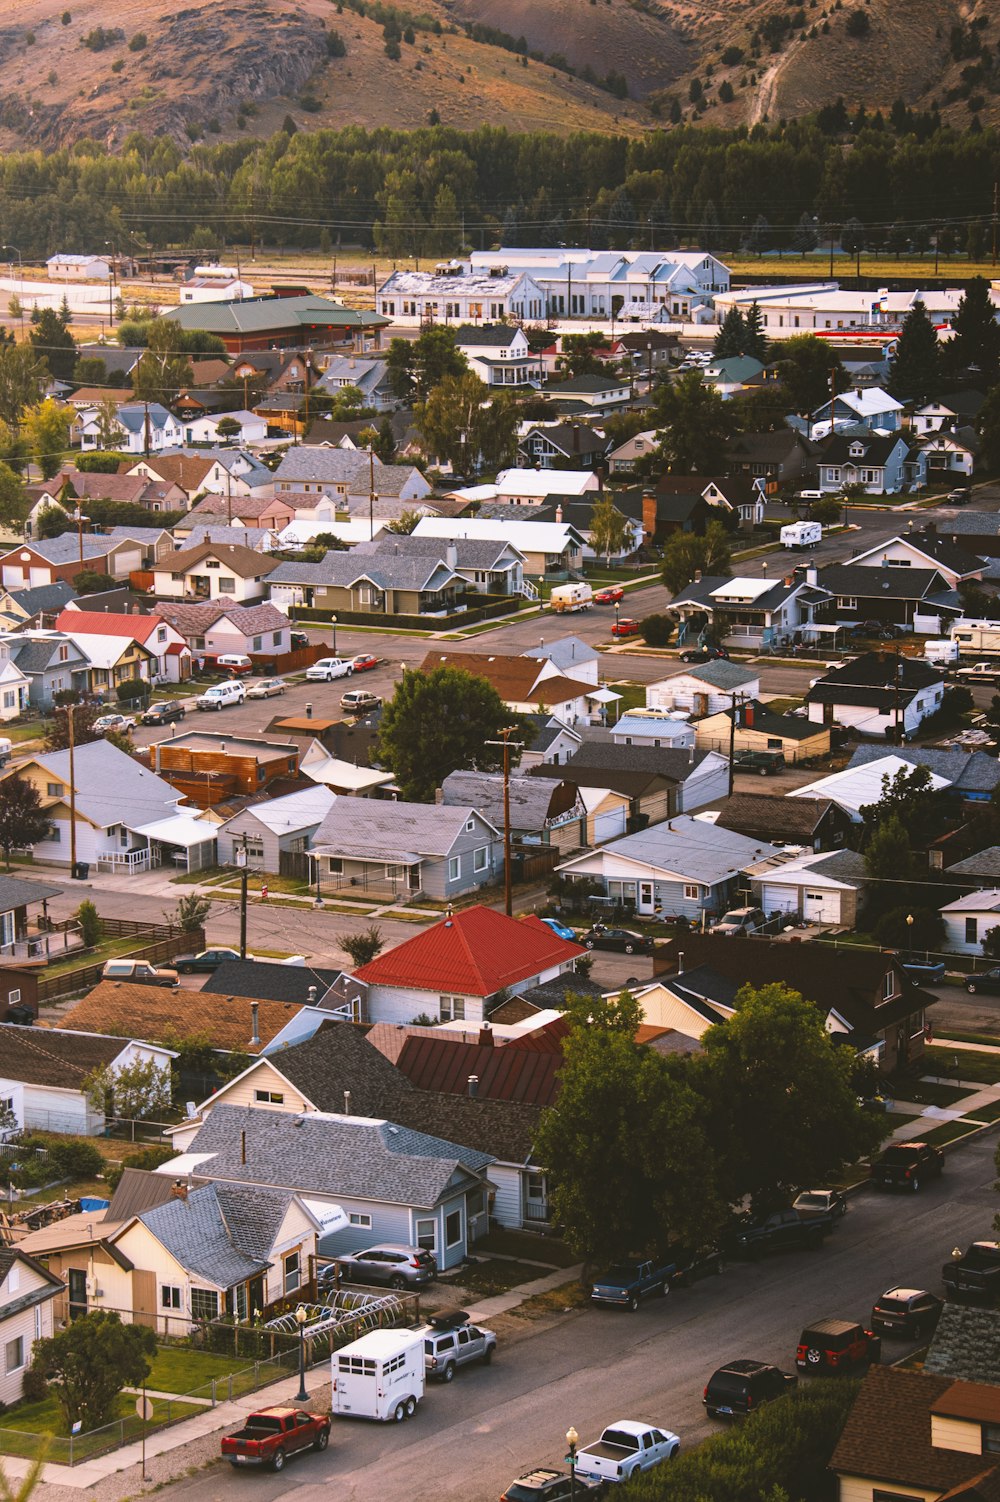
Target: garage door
column 779, row 899
column 610, row 825
column 821, row 907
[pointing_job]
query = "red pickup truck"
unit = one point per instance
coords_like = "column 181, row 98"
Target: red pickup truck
column 271, row 1435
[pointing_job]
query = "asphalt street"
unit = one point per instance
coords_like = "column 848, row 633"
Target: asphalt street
column 592, row 1366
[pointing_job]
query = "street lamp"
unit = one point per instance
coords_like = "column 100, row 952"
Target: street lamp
column 333, row 623
column 79, row 518
column 572, row 1440
column 618, row 608
column 319, row 894
column 909, row 931
column 301, row 1316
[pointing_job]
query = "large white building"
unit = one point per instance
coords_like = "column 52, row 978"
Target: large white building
column 599, row 283
column 818, row 307
column 456, row 292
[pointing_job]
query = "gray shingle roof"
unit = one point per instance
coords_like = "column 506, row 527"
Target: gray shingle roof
column 719, row 674
column 50, row 597
column 657, row 760
column 566, row 653
column 479, row 552
column 530, row 797
column 335, row 1155
column 112, row 788
column 221, row 1233
column 16, row 893
column 66, row 548
column 386, row 572
column 690, row 848
column 986, row 863
column 966, row 1345
column 967, row 771
column 383, row 830
column 881, row 583
column 337, row 1058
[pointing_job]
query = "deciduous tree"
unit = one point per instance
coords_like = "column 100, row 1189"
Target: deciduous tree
column 462, row 426
column 23, row 372
column 164, row 368
column 364, row 945
column 415, row 366
column 609, row 528
column 89, row 1362
column 46, row 428
column 685, row 553
column 23, row 822
column 695, row 425
column 806, row 367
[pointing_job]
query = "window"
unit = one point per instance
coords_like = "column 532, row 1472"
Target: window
column 54, row 789
column 170, row 1296
column 227, row 586
column 335, row 865
column 692, row 891
column 291, row 1271
column 269, row 1097
column 204, row 1303
column 470, row 826
column 257, row 643
column 991, row 1439
column 395, row 873
column 847, row 602
column 453, row 1008
column 481, row 858
column 9, row 700
column 453, row 1228
column 889, row 985
column 356, row 1218
column 14, row 1278
column 14, row 1354
column 454, row 867
column 199, row 643
column 972, row 930
column 276, row 638
column 161, row 633
column 427, row 1235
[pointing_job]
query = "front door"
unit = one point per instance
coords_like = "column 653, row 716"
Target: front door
column 645, row 896
column 77, row 1293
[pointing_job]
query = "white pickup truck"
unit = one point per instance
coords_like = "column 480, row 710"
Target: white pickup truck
column 624, row 1448
column 979, row 672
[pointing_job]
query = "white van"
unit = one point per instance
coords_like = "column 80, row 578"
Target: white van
column 221, row 695
column 381, row 1376
column 6, row 750
column 801, row 535
column 566, row 597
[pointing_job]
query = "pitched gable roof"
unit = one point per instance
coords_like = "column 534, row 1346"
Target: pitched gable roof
column 769, row 816
column 508, row 1073
column 42, row 1056
column 221, row 1233
column 243, row 561
column 516, row 679
column 270, row 981
column 475, row 952
column 393, row 831
column 159, row 1015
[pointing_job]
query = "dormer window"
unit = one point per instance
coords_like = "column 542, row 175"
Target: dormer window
column 889, row 985
column 857, row 450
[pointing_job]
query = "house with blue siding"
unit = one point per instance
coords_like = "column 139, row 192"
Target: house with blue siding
column 682, row 868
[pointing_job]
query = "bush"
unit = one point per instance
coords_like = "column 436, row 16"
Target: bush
column 858, row 24
column 656, row 630
column 827, row 511
column 90, row 581
column 926, row 932
column 132, row 691
column 78, row 1159
column 89, row 920
column 335, row 44
column 148, row 1158
column 101, row 37
column 34, row 1386
column 100, row 461
column 138, row 42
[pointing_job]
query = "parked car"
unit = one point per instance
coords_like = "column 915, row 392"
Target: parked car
column 625, row 626
column 621, row 939
column 547, row 1485
column 959, row 496
column 626, row 1284
column 118, row 722
column 763, row 762
column 827, row 1202
column 397, row 1265
column 836, row 1345
column 624, row 1449
column 739, row 922
column 703, row 654
column 163, row 713
column 908, row 1312
column 364, row 662
column 741, row 1387
column 205, row 962
column 780, row 1231
column 450, row 1341
column 328, row 668
column 272, row 1434
column 221, row 696
column 921, row 968
column 907, row 1165
column 985, row 980
column 359, row 701
column 298, row 640
column 691, row 1264
column 562, row 930
column 236, row 664
column 609, row 596
column 266, row 688
column 138, row 973
column 976, row 1272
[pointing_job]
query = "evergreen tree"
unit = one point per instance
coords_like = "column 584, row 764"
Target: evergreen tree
column 976, row 344
column 729, row 340
column 52, row 340
column 709, row 233
column 755, row 341
column 445, row 237
column 915, row 371
column 509, row 232
column 696, row 425
column 621, row 220
column 759, row 238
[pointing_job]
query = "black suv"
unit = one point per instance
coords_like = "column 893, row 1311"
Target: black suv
column 907, row 1165
column 836, row 1345
column 906, row 1312
column 545, row 1485
column 741, row 1386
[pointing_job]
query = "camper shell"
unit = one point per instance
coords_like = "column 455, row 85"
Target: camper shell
column 976, row 638
column 941, row 652
column 566, row 597
column 380, row 1376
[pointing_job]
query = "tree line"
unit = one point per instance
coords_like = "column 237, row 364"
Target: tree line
column 425, row 191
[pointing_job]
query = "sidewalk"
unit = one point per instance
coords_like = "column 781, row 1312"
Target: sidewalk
column 503, row 1303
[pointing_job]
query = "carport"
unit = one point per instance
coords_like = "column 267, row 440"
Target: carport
column 181, row 840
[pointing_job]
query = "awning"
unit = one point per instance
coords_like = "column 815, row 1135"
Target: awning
column 604, row 696
column 328, row 1217
column 179, row 829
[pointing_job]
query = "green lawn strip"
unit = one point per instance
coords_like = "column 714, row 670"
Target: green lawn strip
column 783, row 705
column 949, row 1131
column 985, row 1113
column 927, row 1093
column 992, row 1040
column 45, row 1417
column 980, row 1068
column 108, row 949
column 290, row 885
column 633, row 697
column 182, row 1370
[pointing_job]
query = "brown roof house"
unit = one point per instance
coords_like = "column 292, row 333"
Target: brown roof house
column 43, row 1072
column 232, row 1024
column 228, row 571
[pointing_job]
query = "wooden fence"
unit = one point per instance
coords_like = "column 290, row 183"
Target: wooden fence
column 165, row 942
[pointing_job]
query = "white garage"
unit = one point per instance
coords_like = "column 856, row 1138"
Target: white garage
column 819, row 888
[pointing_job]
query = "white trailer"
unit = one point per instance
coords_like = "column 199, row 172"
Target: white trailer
column 801, row 535
column 566, row 597
column 976, row 638
column 380, row 1376
column 941, row 652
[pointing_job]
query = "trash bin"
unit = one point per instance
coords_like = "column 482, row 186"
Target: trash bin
column 81, row 870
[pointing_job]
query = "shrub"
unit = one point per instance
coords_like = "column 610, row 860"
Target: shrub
column 78, row 1159
column 66, row 18
column 656, row 630
column 132, row 691
column 118, row 65
column 147, row 1158
column 89, row 920
column 34, row 1385
column 335, row 44
column 731, row 56
column 101, row 37
column 138, row 42
column 858, row 24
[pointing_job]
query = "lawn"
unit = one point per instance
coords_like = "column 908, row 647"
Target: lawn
column 108, row 949
column 46, row 1417
column 494, row 1276
column 927, row 1093
column 951, row 1131
column 980, row 1068
column 986, row 1113
column 180, row 1369
column 545, row 1249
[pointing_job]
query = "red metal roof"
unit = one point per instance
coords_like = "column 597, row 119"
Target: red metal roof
column 101, row 623
column 476, row 952
column 519, row 1074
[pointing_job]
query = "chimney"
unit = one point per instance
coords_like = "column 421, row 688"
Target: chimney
column 243, row 1148
column 930, row 528
column 788, row 580
column 486, row 1036
column 559, row 512
column 347, row 1102
column 680, row 963
column 857, row 392
column 812, row 576
column 309, row 711
column 451, row 555
column 255, row 1022
column 179, row 1189
column 311, row 996
column 473, row 1086
column 697, row 576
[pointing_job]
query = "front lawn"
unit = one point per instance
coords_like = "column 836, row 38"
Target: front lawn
column 46, row 1417
column 180, row 1369
column 963, row 1064
column 493, row 1276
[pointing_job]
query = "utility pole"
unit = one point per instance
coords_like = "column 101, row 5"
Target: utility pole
column 371, row 491
column 505, row 743
column 243, row 902
column 996, row 198
column 737, row 700
column 145, row 431
column 895, row 697
column 229, row 497
column 70, row 708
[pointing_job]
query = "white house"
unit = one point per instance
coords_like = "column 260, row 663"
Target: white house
column 140, row 425
column 75, row 268
column 15, row 687
column 89, row 627
column 215, row 284
column 951, row 453
column 568, row 657
column 532, row 487
column 875, row 692
column 628, row 285
column 27, row 1293
column 969, row 919
column 43, row 1075
column 499, row 355
column 547, row 547
column 456, row 292
column 704, row 690
column 855, row 787
column 822, row 887
column 205, row 429
column 923, row 550
column 807, row 307
column 213, row 628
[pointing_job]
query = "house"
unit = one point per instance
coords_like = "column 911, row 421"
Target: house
column 525, row 685
column 143, row 427
column 76, row 268
column 782, row 459
column 403, row 582
column 623, row 285
column 824, row 887
column 391, row 1183
column 946, row 454
column 736, row 500
column 982, row 869
column 622, row 460
column 21, row 937
column 876, row 461
column 646, row 350
column 683, row 868
column 560, row 445
column 33, row 607
column 27, row 1293
column 913, row 1433
column 267, row 830
column 277, row 371
column 708, row 689
column 758, row 728
column 697, row 778
column 171, row 656
column 749, row 612
column 50, row 662
column 15, row 685
column 532, row 487
column 213, row 471
column 205, row 766
column 867, row 1000
column 589, row 394
column 813, row 823
column 305, row 985
column 228, row 572
column 113, row 804
column 498, row 354
column 279, row 322
column 550, row 549
column 307, row 474
column 115, row 659
column 916, row 598
column 395, row 849
column 204, row 427
column 956, row 410
column 878, row 693
column 212, row 629
column 865, row 407
column 540, row 812
column 734, row 375
column 370, row 377
column 637, row 727
column 580, row 515
column 923, row 550
column 257, row 539
column 43, row 1074
column 460, row 968
column 53, row 558
column 458, row 292
column 345, row 778
column 258, row 511
column 214, row 283
column 969, row 775
column 551, row 741
column 969, row 918
column 859, row 785
column 487, row 566
column 568, row 657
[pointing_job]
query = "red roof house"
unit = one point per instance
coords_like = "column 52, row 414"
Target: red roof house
column 463, row 967
column 172, row 653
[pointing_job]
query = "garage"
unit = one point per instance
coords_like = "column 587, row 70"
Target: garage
column 775, row 899
column 821, row 906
